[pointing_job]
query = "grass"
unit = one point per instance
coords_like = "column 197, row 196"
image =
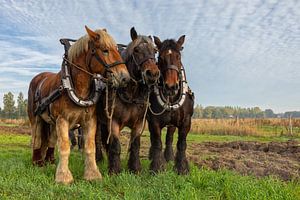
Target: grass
column 20, row 180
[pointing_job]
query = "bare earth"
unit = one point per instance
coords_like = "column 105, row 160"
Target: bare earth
column 280, row 159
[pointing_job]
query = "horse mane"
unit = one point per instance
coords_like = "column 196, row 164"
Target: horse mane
column 169, row 44
column 81, row 45
column 130, row 47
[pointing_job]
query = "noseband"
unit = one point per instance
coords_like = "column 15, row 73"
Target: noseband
column 140, row 63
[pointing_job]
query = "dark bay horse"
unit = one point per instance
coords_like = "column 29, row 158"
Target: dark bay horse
column 131, row 103
column 70, row 96
column 171, row 105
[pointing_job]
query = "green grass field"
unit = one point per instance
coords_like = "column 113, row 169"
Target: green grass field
column 20, row 180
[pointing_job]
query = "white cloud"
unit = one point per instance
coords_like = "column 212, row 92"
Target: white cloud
column 232, row 45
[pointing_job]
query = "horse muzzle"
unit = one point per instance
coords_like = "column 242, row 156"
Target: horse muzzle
column 150, row 77
column 120, row 80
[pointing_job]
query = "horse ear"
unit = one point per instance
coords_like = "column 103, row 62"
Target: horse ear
column 93, row 35
column 149, row 36
column 180, row 42
column 133, row 34
column 157, row 42
column 104, row 30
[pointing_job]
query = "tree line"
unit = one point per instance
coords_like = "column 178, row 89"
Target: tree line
column 12, row 109
column 219, row 112
column 17, row 110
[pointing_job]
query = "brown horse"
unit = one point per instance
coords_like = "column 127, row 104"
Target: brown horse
column 130, row 103
column 171, row 105
column 70, row 96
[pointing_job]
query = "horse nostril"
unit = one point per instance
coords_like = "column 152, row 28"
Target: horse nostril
column 148, row 73
column 157, row 74
column 125, row 80
column 173, row 87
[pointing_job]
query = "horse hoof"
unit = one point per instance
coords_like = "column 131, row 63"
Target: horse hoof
column 38, row 163
column 169, row 156
column 63, row 177
column 92, row 175
column 114, row 171
column 182, row 168
column 50, row 161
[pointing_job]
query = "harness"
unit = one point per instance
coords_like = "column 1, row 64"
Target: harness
column 184, row 90
column 67, row 83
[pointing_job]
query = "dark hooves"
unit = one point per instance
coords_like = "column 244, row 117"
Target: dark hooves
column 38, row 163
column 182, row 168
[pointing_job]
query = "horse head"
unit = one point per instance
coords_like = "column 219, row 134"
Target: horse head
column 140, row 54
column 169, row 63
column 101, row 56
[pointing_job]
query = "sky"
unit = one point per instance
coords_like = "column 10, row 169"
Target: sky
column 236, row 52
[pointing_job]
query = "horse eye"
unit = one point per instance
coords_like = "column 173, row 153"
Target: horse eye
column 105, row 52
column 136, row 50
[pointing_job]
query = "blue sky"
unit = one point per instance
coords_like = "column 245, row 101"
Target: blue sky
column 238, row 53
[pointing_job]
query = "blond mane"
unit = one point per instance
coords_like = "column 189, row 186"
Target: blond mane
column 81, row 45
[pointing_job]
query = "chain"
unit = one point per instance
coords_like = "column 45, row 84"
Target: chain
column 157, row 114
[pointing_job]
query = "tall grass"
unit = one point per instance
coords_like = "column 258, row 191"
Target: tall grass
column 250, row 127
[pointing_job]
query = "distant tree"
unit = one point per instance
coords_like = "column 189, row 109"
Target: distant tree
column 294, row 114
column 21, row 108
column 269, row 113
column 9, row 105
column 207, row 112
column 217, row 113
column 198, row 112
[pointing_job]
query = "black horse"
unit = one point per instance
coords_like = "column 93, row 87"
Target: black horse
column 130, row 104
column 172, row 105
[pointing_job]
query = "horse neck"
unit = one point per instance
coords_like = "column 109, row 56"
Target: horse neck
column 81, row 80
column 133, row 89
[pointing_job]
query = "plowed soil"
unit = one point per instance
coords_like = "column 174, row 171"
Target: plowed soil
column 281, row 159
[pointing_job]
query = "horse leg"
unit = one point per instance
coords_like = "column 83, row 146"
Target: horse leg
column 169, row 154
column 156, row 148
column 45, row 137
column 114, row 150
column 36, row 137
column 72, row 138
column 80, row 138
column 63, row 173
column 51, row 146
column 134, row 163
column 150, row 156
column 99, row 154
column 91, row 171
column 181, row 163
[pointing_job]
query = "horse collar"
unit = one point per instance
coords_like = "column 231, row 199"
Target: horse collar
column 179, row 102
column 67, row 84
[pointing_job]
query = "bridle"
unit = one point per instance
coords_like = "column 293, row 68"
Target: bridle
column 95, row 55
column 170, row 67
column 139, row 64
